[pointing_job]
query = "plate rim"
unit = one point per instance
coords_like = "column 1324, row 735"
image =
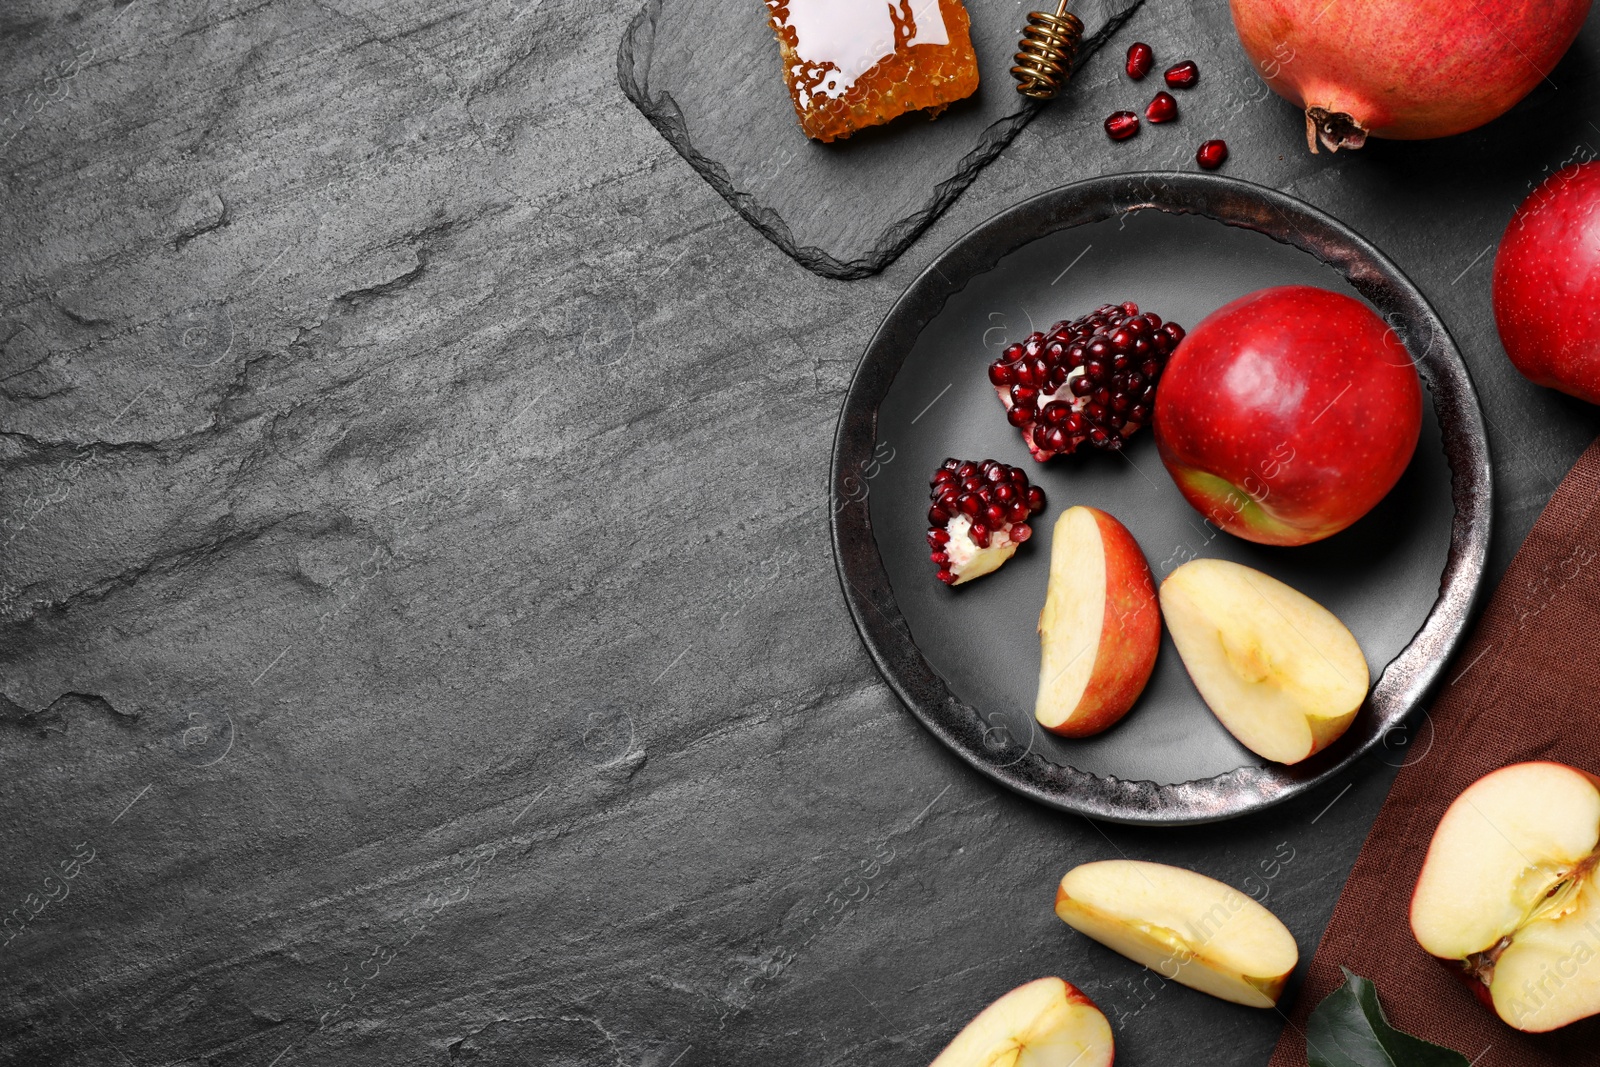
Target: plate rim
column 1403, row 684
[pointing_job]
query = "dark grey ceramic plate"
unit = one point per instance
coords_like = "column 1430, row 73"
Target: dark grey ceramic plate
column 965, row 661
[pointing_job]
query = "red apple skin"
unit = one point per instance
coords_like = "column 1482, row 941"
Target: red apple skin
column 1288, row 414
column 1547, row 284
column 1078, row 996
column 1129, row 638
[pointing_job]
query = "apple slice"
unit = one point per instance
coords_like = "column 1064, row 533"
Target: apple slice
column 1279, row 670
column 1100, row 628
column 1508, row 891
column 1045, row 1023
column 1184, row 926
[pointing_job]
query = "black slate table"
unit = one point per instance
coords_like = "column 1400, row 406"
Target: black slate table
column 419, row 641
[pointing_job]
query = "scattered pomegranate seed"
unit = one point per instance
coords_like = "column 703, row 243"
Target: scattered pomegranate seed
column 1121, row 125
column 1141, row 57
column 1212, row 154
column 1164, row 108
column 978, row 506
column 1182, row 76
column 1095, row 380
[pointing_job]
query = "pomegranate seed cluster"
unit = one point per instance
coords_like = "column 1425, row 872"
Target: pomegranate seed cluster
column 1091, row 380
column 977, row 506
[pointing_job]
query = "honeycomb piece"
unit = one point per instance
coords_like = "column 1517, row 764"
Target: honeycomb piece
column 851, row 64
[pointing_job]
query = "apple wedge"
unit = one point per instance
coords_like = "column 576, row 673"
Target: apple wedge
column 1100, row 628
column 1045, row 1023
column 1508, row 892
column 1184, row 926
column 1279, row 670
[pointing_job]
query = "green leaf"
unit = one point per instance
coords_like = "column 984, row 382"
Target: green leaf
column 1348, row 1029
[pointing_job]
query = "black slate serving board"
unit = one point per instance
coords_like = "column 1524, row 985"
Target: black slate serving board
column 708, row 77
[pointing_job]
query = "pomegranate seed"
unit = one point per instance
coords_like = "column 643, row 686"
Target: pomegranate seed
column 938, row 537
column 941, row 558
column 1001, row 373
column 946, row 577
column 1164, row 108
column 1121, row 125
column 1182, row 76
column 994, row 515
column 1020, row 416
column 937, row 516
column 1020, row 532
column 1212, row 155
column 1141, row 57
column 979, row 534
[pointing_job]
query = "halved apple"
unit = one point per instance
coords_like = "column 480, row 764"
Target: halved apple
column 1508, row 892
column 1045, row 1023
column 1184, row 926
column 1279, row 670
column 1100, row 628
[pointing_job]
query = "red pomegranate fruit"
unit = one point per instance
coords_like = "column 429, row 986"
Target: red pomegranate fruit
column 1089, row 381
column 979, row 516
column 1403, row 69
column 1547, row 283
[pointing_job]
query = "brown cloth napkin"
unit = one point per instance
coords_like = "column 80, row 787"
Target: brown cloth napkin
column 1525, row 686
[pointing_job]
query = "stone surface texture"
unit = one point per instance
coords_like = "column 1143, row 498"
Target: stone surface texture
column 415, row 592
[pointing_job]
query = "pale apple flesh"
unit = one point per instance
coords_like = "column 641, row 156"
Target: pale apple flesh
column 1186, row 927
column 1278, row 670
column 1100, row 629
column 1509, row 890
column 1045, row 1023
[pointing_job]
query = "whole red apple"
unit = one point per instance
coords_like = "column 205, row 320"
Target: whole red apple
column 1547, row 283
column 1288, row 414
